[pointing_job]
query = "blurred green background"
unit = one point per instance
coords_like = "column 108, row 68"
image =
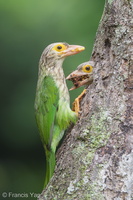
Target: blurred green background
column 26, row 28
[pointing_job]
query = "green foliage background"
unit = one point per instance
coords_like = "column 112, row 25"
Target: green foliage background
column 26, row 28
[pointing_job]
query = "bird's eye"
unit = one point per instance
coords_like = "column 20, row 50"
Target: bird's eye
column 59, row 47
column 87, row 68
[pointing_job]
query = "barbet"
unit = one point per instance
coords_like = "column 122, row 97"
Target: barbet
column 82, row 76
column 52, row 102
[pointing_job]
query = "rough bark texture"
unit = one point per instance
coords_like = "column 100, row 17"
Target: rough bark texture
column 95, row 160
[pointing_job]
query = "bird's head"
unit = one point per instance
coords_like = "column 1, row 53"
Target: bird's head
column 82, row 76
column 61, row 50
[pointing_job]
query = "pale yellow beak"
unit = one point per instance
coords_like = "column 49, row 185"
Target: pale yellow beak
column 71, row 50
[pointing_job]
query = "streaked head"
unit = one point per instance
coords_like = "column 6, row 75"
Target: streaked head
column 61, row 50
column 83, row 75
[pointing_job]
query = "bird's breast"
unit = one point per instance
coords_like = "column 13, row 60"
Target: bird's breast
column 60, row 82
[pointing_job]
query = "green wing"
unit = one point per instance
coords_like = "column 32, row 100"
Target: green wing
column 53, row 117
column 46, row 105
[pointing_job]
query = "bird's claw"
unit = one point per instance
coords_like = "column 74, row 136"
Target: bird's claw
column 76, row 103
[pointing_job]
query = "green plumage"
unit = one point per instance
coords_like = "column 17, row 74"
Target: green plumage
column 52, row 117
column 52, row 109
column 47, row 104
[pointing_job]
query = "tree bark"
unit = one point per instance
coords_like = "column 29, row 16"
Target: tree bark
column 95, row 161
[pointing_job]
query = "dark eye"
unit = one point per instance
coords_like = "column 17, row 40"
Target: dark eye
column 87, row 68
column 59, row 47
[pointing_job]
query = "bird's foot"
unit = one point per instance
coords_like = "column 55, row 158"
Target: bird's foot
column 76, row 103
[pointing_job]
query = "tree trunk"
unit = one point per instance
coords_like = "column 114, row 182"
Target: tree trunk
column 95, row 161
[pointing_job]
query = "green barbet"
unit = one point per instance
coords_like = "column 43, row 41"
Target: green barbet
column 52, row 102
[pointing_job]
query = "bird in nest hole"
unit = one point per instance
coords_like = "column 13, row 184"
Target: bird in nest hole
column 82, row 76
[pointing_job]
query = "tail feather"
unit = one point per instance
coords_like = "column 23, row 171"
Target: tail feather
column 50, row 154
column 50, row 166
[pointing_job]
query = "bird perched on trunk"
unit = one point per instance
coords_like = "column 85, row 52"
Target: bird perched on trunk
column 83, row 76
column 52, row 106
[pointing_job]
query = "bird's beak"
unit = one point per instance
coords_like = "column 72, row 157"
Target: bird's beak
column 71, row 50
column 74, row 74
column 79, row 79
